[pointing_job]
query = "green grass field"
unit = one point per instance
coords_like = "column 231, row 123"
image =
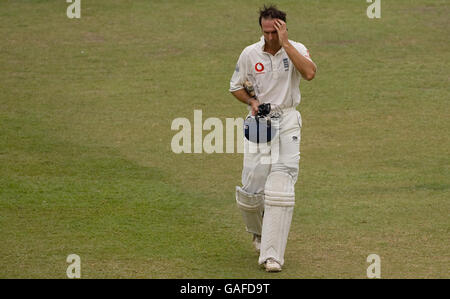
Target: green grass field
column 86, row 167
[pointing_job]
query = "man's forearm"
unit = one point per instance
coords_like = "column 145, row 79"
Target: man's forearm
column 242, row 96
column 305, row 66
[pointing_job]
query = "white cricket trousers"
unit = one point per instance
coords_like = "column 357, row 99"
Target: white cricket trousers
column 260, row 160
column 278, row 161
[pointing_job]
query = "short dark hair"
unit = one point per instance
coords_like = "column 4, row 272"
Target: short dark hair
column 271, row 12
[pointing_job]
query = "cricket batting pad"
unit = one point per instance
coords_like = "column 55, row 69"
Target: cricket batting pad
column 252, row 207
column 279, row 206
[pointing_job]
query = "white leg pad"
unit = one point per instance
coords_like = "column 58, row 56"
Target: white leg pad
column 252, row 208
column 279, row 206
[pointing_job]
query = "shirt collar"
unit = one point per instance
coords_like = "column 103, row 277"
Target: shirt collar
column 262, row 43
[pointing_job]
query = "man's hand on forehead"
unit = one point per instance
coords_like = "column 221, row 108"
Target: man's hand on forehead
column 279, row 21
column 280, row 26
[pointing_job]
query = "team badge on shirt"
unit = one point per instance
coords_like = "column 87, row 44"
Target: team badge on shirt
column 286, row 64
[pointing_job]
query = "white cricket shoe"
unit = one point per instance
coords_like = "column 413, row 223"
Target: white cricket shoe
column 257, row 242
column 272, row 266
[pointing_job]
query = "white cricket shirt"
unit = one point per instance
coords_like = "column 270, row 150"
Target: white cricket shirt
column 275, row 78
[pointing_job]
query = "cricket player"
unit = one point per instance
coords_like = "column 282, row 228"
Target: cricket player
column 274, row 66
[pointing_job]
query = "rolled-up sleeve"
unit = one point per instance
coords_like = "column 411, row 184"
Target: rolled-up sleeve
column 303, row 50
column 239, row 75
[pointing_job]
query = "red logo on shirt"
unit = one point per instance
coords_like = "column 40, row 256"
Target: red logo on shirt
column 259, row 67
